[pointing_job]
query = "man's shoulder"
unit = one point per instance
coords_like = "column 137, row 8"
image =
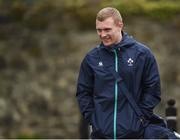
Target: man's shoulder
column 142, row 48
column 91, row 56
column 93, row 52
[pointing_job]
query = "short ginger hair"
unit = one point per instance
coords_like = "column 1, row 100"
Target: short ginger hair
column 109, row 12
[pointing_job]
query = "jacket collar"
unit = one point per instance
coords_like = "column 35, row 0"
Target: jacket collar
column 126, row 42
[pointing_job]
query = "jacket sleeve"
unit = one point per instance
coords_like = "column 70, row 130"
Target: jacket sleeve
column 84, row 92
column 150, row 86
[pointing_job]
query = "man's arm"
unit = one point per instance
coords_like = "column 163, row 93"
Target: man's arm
column 151, row 89
column 84, row 92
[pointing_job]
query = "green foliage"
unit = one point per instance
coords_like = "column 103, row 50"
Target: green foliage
column 85, row 12
column 161, row 9
column 39, row 14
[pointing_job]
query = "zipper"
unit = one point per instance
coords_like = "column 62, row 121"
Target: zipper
column 115, row 95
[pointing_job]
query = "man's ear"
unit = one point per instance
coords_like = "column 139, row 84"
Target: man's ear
column 120, row 24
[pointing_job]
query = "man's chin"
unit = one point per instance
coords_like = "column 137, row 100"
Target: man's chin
column 107, row 44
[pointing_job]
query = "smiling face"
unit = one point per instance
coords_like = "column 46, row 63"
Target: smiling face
column 109, row 31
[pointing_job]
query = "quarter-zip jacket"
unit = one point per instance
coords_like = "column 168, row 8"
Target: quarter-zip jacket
column 99, row 94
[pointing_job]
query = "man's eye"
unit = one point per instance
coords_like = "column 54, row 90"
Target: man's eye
column 98, row 30
column 107, row 30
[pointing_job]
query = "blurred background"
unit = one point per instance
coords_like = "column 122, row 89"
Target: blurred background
column 42, row 43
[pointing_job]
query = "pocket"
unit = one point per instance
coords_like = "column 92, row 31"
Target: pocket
column 155, row 119
column 96, row 133
column 137, row 126
column 136, row 129
column 131, row 126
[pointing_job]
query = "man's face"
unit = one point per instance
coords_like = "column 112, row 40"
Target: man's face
column 109, row 31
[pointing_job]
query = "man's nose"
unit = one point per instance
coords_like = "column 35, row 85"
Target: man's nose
column 103, row 34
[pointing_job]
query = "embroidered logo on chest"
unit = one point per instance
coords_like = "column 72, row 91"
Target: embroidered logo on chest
column 100, row 64
column 130, row 62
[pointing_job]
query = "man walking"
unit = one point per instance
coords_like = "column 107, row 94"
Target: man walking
column 119, row 84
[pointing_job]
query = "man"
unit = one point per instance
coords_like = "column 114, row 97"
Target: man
column 117, row 67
